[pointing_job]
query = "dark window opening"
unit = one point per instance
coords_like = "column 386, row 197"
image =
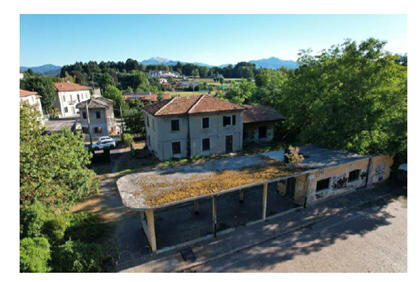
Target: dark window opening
column 234, row 120
column 66, row 110
column 227, row 120
column 148, row 121
column 262, row 132
column 206, row 144
column 176, row 147
column 175, row 125
column 97, row 114
column 97, row 130
column 322, row 184
column 85, row 130
column 205, row 122
column 84, row 115
column 354, row 175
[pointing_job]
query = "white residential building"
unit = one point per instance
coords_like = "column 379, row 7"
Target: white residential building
column 33, row 99
column 68, row 96
column 165, row 74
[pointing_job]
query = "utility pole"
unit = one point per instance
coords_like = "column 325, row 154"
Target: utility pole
column 121, row 117
column 88, row 122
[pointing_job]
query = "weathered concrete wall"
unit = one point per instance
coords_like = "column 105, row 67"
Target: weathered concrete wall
column 300, row 189
column 338, row 184
column 216, row 132
column 380, row 169
column 162, row 136
column 251, row 132
column 102, row 122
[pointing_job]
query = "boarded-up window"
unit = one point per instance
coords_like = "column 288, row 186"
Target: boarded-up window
column 176, row 147
column 322, row 184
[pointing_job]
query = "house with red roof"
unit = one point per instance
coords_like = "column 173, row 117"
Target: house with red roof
column 68, row 96
column 33, row 99
column 191, row 126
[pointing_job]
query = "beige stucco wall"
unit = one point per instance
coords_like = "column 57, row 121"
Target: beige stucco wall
column 162, row 136
column 380, row 169
column 338, row 180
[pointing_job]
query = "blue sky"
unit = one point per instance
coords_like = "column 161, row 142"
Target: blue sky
column 211, row 39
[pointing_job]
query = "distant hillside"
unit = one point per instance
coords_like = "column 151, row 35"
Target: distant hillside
column 45, row 69
column 274, row 63
column 271, row 63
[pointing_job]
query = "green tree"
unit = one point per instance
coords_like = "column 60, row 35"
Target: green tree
column 34, row 255
column 241, row 93
column 53, row 168
column 105, row 81
column 134, row 121
column 44, row 85
column 352, row 96
column 113, row 93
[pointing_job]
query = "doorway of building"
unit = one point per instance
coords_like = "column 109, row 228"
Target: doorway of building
column 229, row 141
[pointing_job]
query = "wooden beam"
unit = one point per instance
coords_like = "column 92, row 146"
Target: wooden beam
column 196, row 207
column 264, row 211
column 241, row 196
column 151, row 230
column 214, row 215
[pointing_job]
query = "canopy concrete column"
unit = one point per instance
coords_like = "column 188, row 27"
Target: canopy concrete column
column 149, row 228
column 214, row 215
column 196, row 207
column 264, row 211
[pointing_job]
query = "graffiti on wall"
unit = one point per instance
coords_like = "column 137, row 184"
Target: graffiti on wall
column 380, row 168
column 339, row 181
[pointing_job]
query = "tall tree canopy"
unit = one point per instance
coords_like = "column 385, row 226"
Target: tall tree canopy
column 53, row 168
column 352, row 96
column 44, row 85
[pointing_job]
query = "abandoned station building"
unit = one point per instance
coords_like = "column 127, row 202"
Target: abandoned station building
column 191, row 126
column 237, row 190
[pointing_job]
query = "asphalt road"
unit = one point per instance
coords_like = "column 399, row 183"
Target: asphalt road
column 372, row 238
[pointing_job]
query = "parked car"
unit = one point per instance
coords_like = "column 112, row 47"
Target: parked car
column 104, row 143
column 107, row 138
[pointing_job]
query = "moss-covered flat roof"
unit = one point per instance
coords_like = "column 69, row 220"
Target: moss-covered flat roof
column 162, row 188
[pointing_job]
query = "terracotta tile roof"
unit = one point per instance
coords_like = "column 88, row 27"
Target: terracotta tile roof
column 209, row 104
column 69, row 86
column 26, row 93
column 258, row 113
column 96, row 103
column 191, row 105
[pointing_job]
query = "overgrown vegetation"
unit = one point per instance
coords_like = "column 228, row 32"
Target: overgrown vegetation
column 53, row 177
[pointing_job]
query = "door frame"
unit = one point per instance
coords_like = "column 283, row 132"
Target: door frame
column 232, row 143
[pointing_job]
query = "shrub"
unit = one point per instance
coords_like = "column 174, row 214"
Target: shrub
column 292, row 155
column 75, row 256
column 127, row 139
column 85, row 227
column 34, row 255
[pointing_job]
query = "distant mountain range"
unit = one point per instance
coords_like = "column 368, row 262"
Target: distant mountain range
column 45, row 69
column 270, row 63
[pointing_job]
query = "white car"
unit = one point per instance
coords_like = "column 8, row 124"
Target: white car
column 107, row 138
column 104, row 143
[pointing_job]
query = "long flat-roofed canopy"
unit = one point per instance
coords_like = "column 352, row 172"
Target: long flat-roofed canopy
column 166, row 187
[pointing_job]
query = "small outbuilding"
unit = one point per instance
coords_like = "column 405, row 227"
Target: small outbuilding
column 259, row 123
